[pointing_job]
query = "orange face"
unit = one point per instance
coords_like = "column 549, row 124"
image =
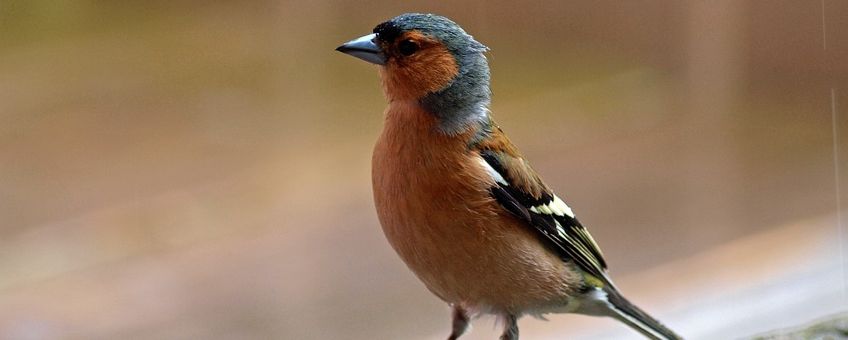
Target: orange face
column 417, row 65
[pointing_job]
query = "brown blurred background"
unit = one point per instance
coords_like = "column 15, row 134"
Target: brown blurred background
column 201, row 170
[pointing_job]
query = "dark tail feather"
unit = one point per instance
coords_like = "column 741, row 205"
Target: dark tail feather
column 636, row 318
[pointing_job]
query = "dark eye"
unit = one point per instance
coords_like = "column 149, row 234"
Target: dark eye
column 407, row 47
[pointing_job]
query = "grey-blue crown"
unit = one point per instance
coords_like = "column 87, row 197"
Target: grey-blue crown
column 447, row 31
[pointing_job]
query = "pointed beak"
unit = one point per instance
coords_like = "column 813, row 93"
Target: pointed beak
column 364, row 48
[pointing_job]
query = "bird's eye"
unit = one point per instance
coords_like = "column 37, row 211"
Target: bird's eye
column 407, row 47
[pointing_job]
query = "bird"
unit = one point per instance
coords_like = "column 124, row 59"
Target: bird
column 459, row 203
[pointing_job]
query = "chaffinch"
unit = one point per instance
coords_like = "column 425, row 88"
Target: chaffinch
column 459, row 203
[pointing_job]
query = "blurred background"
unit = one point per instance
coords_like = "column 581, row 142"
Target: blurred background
column 201, row 169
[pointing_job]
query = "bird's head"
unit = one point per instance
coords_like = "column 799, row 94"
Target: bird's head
column 429, row 59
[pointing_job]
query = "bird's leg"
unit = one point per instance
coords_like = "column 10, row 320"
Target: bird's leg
column 460, row 322
column 510, row 327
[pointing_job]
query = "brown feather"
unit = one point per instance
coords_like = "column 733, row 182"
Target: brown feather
column 432, row 199
column 430, row 69
column 517, row 168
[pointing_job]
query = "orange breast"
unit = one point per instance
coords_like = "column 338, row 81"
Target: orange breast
column 432, row 200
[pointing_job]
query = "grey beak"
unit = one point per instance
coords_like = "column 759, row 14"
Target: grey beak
column 364, row 48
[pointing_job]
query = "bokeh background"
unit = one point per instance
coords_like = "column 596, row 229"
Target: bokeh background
column 201, row 169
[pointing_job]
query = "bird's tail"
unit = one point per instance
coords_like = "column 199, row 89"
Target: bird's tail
column 636, row 318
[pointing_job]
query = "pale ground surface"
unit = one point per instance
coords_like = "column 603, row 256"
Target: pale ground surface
column 832, row 327
column 184, row 170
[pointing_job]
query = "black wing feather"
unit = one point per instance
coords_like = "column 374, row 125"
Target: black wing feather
column 564, row 234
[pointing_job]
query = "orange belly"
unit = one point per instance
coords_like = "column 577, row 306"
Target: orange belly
column 432, row 199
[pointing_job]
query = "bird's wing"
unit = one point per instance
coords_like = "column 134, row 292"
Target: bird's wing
column 519, row 190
